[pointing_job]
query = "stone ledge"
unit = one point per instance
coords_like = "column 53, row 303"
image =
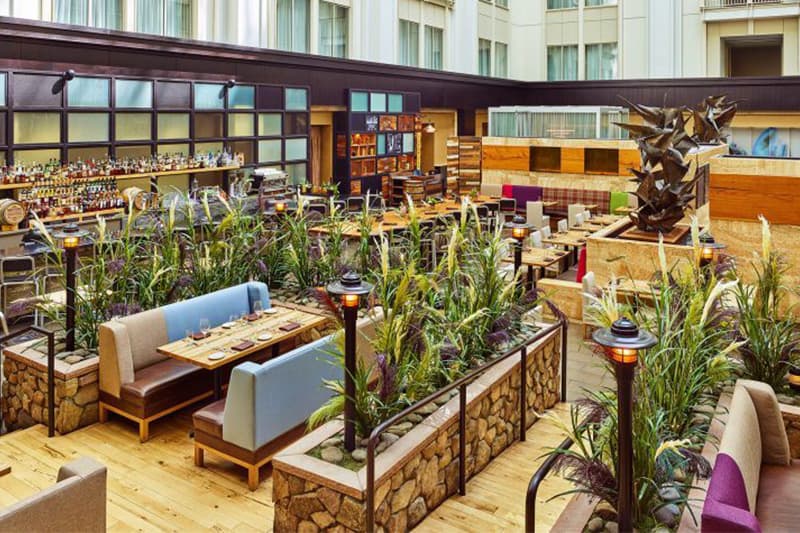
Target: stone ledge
column 32, row 357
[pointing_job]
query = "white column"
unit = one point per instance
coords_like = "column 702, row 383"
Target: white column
column 581, row 45
column 269, row 30
column 313, row 27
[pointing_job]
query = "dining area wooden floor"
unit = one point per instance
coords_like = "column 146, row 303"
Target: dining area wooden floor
column 156, row 487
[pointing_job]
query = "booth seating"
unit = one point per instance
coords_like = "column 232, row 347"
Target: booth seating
column 143, row 385
column 755, row 485
column 77, row 502
column 563, row 196
column 493, row 190
column 268, row 404
column 534, row 214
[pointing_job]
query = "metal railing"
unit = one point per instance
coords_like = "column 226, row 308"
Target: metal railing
column 720, row 4
column 51, row 369
column 533, row 486
column 461, row 384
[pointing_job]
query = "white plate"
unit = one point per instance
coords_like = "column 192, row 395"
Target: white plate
column 265, row 337
column 228, row 325
column 271, row 311
column 216, row 356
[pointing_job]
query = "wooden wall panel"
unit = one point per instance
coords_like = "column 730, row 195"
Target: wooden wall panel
column 572, row 160
column 743, row 197
column 628, row 159
column 506, row 157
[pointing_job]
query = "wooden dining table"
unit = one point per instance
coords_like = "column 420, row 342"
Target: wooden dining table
column 235, row 341
column 570, row 239
column 537, row 259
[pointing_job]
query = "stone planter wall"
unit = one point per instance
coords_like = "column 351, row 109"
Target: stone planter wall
column 25, row 391
column 419, row 471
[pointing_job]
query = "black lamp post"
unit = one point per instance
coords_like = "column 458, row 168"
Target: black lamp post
column 350, row 288
column 708, row 250
column 70, row 237
column 519, row 230
column 622, row 342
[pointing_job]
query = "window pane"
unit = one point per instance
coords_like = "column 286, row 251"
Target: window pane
column 86, row 153
column 36, row 156
column 142, row 150
column 269, row 151
column 296, row 124
column 209, row 96
column 205, row 148
column 37, row 128
column 409, row 43
column 245, row 148
column 178, row 18
column 2, row 89
column 484, row 57
column 296, row 149
column 434, row 48
column 332, row 29
column 241, row 125
column 71, row 11
column 269, row 124
column 133, row 126
column 173, row 125
column 395, row 103
column 297, row 173
column 150, row 16
column 242, row 97
column 296, row 99
column 601, row 61
column 377, row 102
column 36, row 90
column 88, row 92
column 359, row 102
column 270, row 97
column 3, row 128
column 2, row 157
column 107, row 14
column 179, row 148
column 381, row 144
column 87, row 127
column 501, row 60
column 173, row 95
column 208, row 125
column 293, row 22
column 133, row 93
column 408, row 142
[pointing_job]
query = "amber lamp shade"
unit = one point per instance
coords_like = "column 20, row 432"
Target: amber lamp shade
column 708, row 248
column 623, row 340
column 280, row 207
column 71, row 242
column 519, row 228
column 623, row 355
column 350, row 300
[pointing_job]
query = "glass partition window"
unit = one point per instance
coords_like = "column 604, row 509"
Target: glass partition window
column 395, row 103
column 269, row 124
column 245, row 148
column 359, row 102
column 36, row 90
column 297, row 173
column 25, row 157
column 179, row 148
column 87, row 127
column 293, row 24
column 377, row 102
column 269, row 151
column 88, row 92
column 562, row 63
column 140, row 150
column 434, row 48
column 296, row 149
column 408, row 142
column 173, row 125
column 133, row 94
column 208, row 125
column 241, row 125
column 133, row 126
column 332, row 29
column 208, row 147
column 409, row 43
column 296, row 124
column 3, row 78
column 242, row 97
column 209, row 96
column 601, row 61
column 86, row 153
column 173, row 95
column 296, row 99
column 31, row 127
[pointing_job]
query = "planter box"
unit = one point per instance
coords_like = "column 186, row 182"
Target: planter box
column 421, row 470
column 25, row 390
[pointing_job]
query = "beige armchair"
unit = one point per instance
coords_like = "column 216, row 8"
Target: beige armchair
column 77, row 502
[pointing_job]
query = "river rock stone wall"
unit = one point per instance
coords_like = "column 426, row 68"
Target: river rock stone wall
column 428, row 475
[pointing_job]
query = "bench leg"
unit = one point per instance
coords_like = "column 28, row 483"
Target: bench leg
column 198, row 456
column 144, row 430
column 252, row 477
column 102, row 414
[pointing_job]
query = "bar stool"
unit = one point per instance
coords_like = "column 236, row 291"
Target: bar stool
column 355, row 203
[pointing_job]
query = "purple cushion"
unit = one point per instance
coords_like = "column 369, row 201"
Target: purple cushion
column 526, row 193
column 726, row 507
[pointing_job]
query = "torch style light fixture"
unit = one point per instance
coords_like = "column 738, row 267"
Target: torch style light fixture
column 708, row 249
column 519, row 230
column 350, row 288
column 70, row 237
column 429, row 127
column 622, row 342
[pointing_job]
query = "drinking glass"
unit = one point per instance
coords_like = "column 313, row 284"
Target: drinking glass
column 205, row 326
column 257, row 307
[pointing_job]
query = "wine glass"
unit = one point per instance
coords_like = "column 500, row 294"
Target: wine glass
column 205, row 326
column 258, row 307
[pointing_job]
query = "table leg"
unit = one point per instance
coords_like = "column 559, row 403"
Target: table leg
column 217, row 385
column 531, row 279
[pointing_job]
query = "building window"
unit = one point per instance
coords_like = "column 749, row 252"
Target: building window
column 501, row 60
column 409, row 43
column 484, row 57
column 172, row 18
column 501, row 3
column 293, row 22
column 562, row 63
column 98, row 13
column 601, row 61
column 434, row 48
column 594, row 3
column 332, row 30
column 561, row 4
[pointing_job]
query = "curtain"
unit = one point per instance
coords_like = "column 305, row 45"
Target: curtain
column 501, row 60
column 332, row 30
column 409, row 43
column 601, row 61
column 178, row 18
column 434, row 47
column 150, row 16
column 72, row 12
column 107, row 14
column 484, row 57
column 293, row 19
